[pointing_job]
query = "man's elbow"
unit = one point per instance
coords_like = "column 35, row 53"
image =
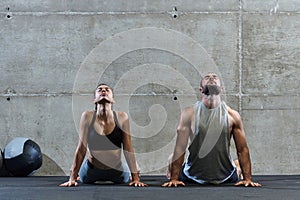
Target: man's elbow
column 181, row 130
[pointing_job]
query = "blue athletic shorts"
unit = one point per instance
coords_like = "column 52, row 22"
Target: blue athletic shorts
column 89, row 174
column 232, row 179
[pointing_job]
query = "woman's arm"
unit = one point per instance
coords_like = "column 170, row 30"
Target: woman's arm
column 128, row 149
column 80, row 150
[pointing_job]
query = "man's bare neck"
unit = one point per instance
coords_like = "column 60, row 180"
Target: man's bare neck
column 211, row 101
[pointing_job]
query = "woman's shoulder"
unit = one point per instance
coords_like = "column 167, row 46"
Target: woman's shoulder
column 87, row 115
column 121, row 115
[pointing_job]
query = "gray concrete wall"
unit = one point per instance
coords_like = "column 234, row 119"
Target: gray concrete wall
column 53, row 53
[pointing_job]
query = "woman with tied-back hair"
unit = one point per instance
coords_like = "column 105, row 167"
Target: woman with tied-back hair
column 105, row 133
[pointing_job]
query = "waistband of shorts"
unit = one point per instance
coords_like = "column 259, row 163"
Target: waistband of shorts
column 118, row 168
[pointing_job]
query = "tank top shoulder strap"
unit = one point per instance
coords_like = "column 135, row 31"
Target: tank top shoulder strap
column 224, row 105
column 93, row 120
column 197, row 109
column 116, row 119
column 197, row 105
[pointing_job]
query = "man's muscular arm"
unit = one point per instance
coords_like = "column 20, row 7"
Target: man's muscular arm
column 242, row 149
column 183, row 132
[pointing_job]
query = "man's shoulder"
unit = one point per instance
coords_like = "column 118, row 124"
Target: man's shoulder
column 191, row 108
column 229, row 109
column 188, row 108
column 233, row 113
column 188, row 111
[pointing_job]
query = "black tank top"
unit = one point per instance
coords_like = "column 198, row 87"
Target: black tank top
column 110, row 141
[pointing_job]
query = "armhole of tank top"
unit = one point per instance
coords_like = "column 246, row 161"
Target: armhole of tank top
column 197, row 107
column 227, row 117
column 116, row 119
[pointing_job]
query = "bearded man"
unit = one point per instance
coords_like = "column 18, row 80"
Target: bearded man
column 210, row 124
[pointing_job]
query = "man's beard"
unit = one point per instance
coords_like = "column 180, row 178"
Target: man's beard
column 211, row 90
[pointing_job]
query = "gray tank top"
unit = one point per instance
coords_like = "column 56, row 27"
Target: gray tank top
column 209, row 159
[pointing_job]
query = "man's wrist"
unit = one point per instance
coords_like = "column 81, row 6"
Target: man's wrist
column 174, row 177
column 135, row 177
column 247, row 178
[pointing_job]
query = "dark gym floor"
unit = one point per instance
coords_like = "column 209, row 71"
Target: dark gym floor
column 46, row 187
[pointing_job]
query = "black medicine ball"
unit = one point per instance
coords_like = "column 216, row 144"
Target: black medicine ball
column 22, row 156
